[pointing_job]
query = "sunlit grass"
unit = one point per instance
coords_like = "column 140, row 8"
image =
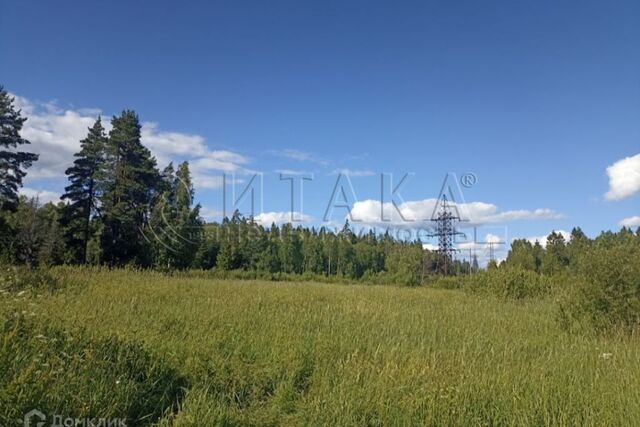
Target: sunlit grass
column 265, row 353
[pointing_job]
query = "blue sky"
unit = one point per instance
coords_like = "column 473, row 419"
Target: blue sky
column 537, row 99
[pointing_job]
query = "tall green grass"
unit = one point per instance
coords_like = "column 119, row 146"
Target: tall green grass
column 266, row 353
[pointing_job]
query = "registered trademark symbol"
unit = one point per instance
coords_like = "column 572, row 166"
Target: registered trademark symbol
column 468, row 180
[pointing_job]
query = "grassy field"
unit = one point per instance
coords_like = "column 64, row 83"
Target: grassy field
column 197, row 352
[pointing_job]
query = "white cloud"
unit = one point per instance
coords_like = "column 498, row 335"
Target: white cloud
column 43, row 196
column 543, row 239
column 482, row 250
column 410, row 212
column 353, row 173
column 55, row 134
column 633, row 221
column 209, row 213
column 220, row 160
column 171, row 143
column 624, row 178
column 205, row 181
column 492, row 238
column 207, row 169
column 267, row 218
column 489, row 241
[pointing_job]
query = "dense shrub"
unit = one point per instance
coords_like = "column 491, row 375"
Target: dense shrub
column 404, row 265
column 509, row 282
column 607, row 297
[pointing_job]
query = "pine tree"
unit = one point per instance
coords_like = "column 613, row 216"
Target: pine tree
column 26, row 228
column 331, row 253
column 52, row 248
column 538, row 254
column 577, row 248
column 12, row 162
column 346, row 256
column 291, row 257
column 188, row 224
column 207, row 254
column 269, row 257
column 162, row 219
column 555, row 257
column 175, row 228
column 83, row 191
column 313, row 256
column 522, row 255
column 128, row 192
column 229, row 257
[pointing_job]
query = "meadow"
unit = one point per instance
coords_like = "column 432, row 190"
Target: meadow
column 192, row 351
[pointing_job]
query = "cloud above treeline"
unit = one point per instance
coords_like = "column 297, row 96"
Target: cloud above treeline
column 55, row 134
column 633, row 221
column 543, row 239
column 624, row 178
column 42, row 196
column 267, row 218
column 407, row 214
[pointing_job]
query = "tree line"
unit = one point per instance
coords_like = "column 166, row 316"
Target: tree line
column 115, row 193
column 568, row 256
column 120, row 209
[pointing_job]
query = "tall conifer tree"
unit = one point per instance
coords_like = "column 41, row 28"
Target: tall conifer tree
column 12, row 161
column 128, row 193
column 83, row 191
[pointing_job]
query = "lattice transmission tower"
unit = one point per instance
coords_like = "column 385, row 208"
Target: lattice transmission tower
column 446, row 217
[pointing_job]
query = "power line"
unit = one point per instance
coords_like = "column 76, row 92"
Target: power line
column 446, row 230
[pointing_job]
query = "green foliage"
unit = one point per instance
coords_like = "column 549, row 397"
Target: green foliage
column 114, row 189
column 576, row 249
column 509, row 282
column 35, row 237
column 122, row 211
column 291, row 258
column 129, row 190
column 522, row 255
column 239, row 243
column 13, row 163
column 269, row 256
column 175, row 229
column 404, row 263
column 207, row 253
column 83, row 192
column 607, row 296
column 27, row 229
column 556, row 257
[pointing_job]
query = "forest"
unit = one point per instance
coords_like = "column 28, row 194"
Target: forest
column 120, row 209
